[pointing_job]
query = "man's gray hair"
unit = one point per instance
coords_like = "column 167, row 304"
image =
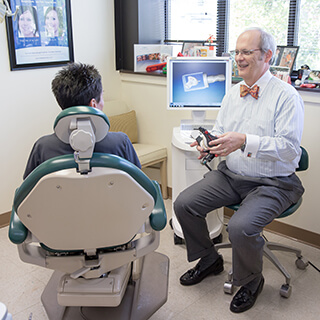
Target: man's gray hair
column 267, row 42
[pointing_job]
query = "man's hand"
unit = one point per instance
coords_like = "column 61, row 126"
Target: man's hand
column 227, row 143
column 224, row 145
column 200, row 149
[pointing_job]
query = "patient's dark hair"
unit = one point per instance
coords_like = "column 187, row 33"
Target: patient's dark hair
column 76, row 85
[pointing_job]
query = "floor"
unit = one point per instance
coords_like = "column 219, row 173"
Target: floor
column 21, row 285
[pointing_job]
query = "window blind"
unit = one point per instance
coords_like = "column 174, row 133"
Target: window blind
column 293, row 23
column 222, row 26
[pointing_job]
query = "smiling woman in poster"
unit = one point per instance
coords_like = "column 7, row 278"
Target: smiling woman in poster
column 27, row 22
column 54, row 22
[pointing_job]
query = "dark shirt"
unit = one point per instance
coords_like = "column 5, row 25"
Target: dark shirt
column 50, row 146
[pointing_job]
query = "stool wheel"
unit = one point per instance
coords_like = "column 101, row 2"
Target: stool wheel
column 285, row 290
column 302, row 263
column 228, row 287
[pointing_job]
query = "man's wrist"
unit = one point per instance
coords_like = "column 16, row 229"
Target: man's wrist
column 243, row 146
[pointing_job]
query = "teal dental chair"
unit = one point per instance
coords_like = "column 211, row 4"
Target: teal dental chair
column 96, row 220
column 301, row 262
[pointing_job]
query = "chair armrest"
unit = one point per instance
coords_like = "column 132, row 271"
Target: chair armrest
column 17, row 230
column 158, row 217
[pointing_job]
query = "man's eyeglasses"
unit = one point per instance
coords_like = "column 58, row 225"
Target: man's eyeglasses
column 245, row 52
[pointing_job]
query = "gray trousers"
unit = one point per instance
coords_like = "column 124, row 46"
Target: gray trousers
column 262, row 200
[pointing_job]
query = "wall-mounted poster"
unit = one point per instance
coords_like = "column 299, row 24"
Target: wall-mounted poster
column 40, row 34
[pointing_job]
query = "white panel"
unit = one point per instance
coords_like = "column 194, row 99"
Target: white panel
column 104, row 208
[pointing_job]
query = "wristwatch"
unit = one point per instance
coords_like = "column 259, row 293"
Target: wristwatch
column 244, row 145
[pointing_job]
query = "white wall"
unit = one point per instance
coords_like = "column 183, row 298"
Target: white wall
column 308, row 216
column 28, row 108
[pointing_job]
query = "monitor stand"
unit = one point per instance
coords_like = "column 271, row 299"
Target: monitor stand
column 198, row 120
column 187, row 170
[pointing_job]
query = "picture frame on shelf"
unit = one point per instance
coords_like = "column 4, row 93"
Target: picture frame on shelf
column 148, row 55
column 283, row 73
column 188, row 47
column 235, row 71
column 286, row 56
column 46, row 40
column 204, row 51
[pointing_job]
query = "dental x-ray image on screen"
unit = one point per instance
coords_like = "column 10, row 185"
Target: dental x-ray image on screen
column 198, row 83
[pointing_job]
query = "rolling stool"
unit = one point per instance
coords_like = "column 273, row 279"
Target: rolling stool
column 301, row 263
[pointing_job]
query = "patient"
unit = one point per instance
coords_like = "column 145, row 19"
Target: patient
column 79, row 85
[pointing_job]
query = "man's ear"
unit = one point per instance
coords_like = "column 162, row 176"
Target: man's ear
column 268, row 56
column 93, row 103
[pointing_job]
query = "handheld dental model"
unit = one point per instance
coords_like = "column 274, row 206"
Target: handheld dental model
column 199, row 80
column 203, row 140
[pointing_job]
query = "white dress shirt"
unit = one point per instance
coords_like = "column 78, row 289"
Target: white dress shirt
column 273, row 125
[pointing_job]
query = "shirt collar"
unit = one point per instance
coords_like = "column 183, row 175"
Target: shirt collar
column 262, row 81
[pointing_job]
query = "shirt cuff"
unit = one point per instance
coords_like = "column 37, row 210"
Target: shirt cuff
column 252, row 146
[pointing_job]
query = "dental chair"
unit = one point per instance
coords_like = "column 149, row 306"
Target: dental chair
column 95, row 219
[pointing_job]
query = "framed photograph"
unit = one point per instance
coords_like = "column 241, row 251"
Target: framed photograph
column 40, row 35
column 283, row 73
column 148, row 55
column 203, row 51
column 188, row 48
column 286, row 56
column 235, row 71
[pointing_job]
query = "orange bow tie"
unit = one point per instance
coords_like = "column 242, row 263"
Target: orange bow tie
column 244, row 90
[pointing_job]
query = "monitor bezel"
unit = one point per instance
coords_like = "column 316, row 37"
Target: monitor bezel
column 228, row 81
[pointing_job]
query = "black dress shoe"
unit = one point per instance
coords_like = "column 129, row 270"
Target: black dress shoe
column 195, row 275
column 244, row 299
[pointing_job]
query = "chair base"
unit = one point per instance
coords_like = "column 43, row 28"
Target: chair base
column 301, row 263
column 96, row 292
column 285, row 290
column 142, row 298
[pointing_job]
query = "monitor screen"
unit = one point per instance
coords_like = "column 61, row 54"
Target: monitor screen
column 197, row 83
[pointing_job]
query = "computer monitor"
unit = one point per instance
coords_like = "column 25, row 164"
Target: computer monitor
column 197, row 83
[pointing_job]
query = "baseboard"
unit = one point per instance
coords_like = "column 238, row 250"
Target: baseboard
column 5, row 219
column 289, row 231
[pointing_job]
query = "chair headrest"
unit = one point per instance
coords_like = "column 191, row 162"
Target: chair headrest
column 64, row 123
column 81, row 127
